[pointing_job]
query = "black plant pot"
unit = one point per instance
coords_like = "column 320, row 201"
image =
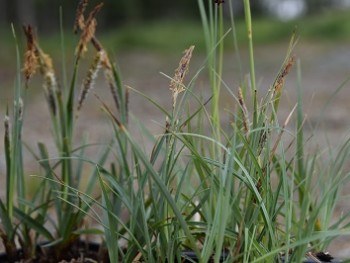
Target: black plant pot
column 93, row 250
column 87, row 249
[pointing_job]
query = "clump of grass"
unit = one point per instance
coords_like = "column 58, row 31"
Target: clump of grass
column 226, row 192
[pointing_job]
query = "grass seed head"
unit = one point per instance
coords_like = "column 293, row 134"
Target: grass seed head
column 50, row 81
column 90, row 78
column 244, row 111
column 176, row 84
column 110, row 80
column 108, row 71
column 30, row 55
column 50, row 86
column 88, row 32
column 79, row 22
column 279, row 82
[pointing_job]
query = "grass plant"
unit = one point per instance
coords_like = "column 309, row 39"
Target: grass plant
column 228, row 192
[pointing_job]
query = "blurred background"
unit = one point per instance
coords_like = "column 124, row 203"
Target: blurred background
column 147, row 37
column 117, row 13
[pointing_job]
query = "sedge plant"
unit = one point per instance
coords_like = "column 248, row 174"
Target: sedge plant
column 53, row 215
column 207, row 190
column 229, row 194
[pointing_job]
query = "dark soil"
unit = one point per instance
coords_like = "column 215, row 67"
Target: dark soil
column 78, row 252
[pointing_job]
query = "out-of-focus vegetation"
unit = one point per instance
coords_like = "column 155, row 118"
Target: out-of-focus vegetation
column 174, row 34
column 44, row 14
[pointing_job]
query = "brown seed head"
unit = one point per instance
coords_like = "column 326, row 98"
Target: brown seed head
column 79, row 22
column 88, row 31
column 176, row 84
column 90, row 78
column 50, row 82
column 279, row 82
column 30, row 55
column 244, row 110
column 45, row 63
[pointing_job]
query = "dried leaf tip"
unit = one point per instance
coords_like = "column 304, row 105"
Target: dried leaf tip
column 176, row 84
column 19, row 108
column 88, row 32
column 30, row 55
column 79, row 22
column 7, row 123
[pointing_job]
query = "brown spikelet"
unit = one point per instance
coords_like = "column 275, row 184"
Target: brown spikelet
column 176, row 84
column 108, row 70
column 30, row 55
column 279, row 82
column 105, row 62
column 50, row 86
column 110, row 80
column 244, row 111
column 79, row 22
column 90, row 78
column 50, row 82
column 88, row 31
column 46, row 65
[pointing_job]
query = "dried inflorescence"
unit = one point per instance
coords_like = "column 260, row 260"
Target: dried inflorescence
column 36, row 58
column 88, row 30
column 30, row 55
column 176, row 84
column 79, row 22
column 244, row 111
column 90, row 78
column 279, row 82
column 50, row 81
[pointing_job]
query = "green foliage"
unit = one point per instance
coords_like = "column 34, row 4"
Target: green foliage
column 207, row 186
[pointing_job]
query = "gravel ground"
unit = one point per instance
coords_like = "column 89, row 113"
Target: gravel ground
column 324, row 67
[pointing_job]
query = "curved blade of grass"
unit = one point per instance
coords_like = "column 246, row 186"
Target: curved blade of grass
column 306, row 240
column 112, row 235
column 162, row 187
column 33, row 224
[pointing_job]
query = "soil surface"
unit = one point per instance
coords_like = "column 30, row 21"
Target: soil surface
column 324, row 67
